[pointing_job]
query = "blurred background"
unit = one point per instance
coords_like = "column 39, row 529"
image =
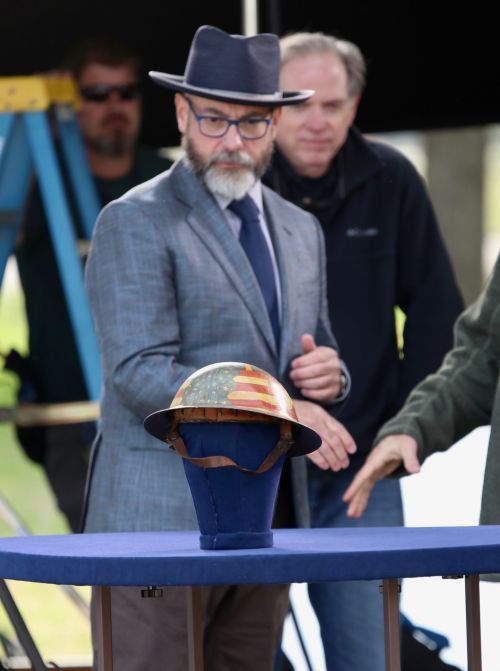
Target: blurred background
column 432, row 92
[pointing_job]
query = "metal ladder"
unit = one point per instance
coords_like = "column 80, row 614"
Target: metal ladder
column 32, row 109
column 28, row 106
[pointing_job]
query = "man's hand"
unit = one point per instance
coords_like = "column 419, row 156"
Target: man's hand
column 316, row 373
column 337, row 443
column 384, row 459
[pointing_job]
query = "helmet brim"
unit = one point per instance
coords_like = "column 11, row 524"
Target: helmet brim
column 305, row 439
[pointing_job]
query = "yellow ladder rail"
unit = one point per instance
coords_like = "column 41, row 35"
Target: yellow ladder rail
column 36, row 93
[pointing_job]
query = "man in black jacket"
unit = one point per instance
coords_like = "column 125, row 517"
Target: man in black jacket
column 384, row 251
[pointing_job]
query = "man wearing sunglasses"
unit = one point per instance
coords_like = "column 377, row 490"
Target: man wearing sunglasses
column 110, row 114
column 202, row 265
column 107, row 74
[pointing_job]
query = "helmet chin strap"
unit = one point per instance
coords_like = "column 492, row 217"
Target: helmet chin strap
column 228, row 415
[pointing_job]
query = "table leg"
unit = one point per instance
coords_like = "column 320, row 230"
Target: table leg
column 390, row 592
column 104, row 635
column 20, row 628
column 195, row 628
column 473, row 619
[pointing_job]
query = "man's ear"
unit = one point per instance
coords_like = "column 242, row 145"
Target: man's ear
column 276, row 116
column 354, row 108
column 181, row 112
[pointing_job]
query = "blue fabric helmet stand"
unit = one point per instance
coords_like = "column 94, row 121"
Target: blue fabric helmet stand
column 234, row 509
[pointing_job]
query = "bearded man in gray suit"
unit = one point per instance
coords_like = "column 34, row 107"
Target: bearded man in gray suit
column 173, row 288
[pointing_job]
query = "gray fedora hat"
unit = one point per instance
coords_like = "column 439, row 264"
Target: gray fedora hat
column 234, row 69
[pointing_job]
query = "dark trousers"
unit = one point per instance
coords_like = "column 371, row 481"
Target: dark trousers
column 242, row 625
column 66, row 460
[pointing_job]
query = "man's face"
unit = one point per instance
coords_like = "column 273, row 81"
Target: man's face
column 109, row 119
column 229, row 165
column 311, row 134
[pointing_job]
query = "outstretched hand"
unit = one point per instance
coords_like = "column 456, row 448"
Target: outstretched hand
column 383, row 460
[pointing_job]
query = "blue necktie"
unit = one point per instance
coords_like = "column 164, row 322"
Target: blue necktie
column 254, row 243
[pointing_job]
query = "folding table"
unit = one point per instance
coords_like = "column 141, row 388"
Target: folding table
column 152, row 559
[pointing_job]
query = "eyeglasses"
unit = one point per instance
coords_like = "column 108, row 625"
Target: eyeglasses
column 99, row 93
column 249, row 128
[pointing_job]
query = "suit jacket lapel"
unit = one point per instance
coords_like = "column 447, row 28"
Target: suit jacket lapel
column 211, row 226
column 282, row 234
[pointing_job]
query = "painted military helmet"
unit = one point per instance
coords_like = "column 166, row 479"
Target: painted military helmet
column 245, row 391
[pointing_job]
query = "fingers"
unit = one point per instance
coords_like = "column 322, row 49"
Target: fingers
column 358, row 503
column 410, row 460
column 317, row 373
column 383, row 460
column 320, row 388
column 358, row 493
column 337, row 443
column 337, row 434
column 318, row 459
column 332, row 455
column 316, row 358
column 307, row 343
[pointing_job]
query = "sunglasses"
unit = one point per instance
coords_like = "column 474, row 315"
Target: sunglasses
column 99, row 93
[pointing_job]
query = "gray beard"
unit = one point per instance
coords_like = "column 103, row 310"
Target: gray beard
column 230, row 184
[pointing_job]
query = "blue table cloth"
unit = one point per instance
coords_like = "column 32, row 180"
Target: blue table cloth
column 311, row 555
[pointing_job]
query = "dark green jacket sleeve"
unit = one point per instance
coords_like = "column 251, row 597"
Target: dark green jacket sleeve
column 460, row 396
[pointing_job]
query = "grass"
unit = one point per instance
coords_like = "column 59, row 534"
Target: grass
column 60, row 630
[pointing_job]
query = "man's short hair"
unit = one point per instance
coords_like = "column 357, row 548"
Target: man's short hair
column 103, row 50
column 298, row 45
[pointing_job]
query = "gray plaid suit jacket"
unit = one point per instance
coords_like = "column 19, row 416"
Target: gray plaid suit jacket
column 171, row 290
